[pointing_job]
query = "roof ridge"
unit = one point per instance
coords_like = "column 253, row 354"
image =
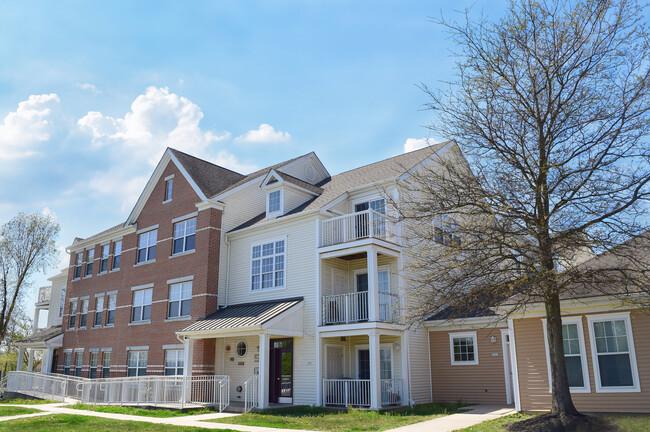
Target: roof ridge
column 203, row 160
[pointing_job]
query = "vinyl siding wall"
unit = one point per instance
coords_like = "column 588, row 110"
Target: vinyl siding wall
column 481, row 383
column 533, row 373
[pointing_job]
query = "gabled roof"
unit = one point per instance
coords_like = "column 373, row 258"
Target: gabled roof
column 210, row 178
column 243, row 315
column 99, row 234
column 300, row 183
column 43, row 335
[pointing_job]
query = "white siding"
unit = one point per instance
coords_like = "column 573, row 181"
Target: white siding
column 419, row 366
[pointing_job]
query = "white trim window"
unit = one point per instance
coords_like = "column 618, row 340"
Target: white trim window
column 267, row 265
column 73, row 314
column 110, row 312
column 136, row 363
column 463, row 348
column 103, row 264
column 77, row 266
column 78, row 361
column 445, row 231
column 84, row 314
column 180, row 300
column 174, row 362
column 147, row 246
column 575, row 355
column 62, row 302
column 274, row 203
column 117, row 254
column 94, row 359
column 99, row 308
column 106, row 364
column 169, row 187
column 184, row 236
column 67, row 361
column 613, row 355
column 89, row 262
column 141, row 305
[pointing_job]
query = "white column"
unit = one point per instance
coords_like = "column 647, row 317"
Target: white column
column 37, row 313
column 21, row 355
column 265, row 356
column 49, row 357
column 30, row 359
column 406, row 375
column 319, row 370
column 375, row 385
column 188, row 357
column 373, row 286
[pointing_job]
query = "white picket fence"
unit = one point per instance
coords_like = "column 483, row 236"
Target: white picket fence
column 170, row 391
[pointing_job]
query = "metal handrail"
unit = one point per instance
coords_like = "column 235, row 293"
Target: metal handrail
column 250, row 393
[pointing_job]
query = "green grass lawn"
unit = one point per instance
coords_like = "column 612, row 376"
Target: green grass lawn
column 78, row 423
column 19, row 401
column 7, row 411
column 316, row 418
column 140, row 411
column 627, row 423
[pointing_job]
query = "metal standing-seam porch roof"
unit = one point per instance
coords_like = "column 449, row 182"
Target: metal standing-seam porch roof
column 241, row 317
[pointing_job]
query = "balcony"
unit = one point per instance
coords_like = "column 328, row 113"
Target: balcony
column 357, row 392
column 44, row 294
column 356, row 226
column 353, row 308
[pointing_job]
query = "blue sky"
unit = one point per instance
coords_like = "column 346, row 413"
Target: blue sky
column 91, row 93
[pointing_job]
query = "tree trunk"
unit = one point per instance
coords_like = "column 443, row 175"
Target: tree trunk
column 561, row 402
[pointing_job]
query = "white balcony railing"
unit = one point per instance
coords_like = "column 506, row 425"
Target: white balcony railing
column 355, row 226
column 353, row 308
column 44, row 294
column 172, row 391
column 346, row 392
column 391, row 392
column 250, row 393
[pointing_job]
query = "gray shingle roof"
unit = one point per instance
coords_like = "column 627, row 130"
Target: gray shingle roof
column 303, row 184
column 210, row 178
column 243, row 315
column 43, row 335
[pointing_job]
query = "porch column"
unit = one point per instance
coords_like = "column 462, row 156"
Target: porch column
column 49, row 357
column 37, row 313
column 21, row 355
column 373, row 286
column 188, row 357
column 406, row 375
column 319, row 370
column 375, row 374
column 30, row 360
column 265, row 357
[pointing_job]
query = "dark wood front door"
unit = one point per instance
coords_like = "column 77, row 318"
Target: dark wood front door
column 281, row 371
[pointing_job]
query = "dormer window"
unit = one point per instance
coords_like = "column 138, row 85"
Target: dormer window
column 274, row 202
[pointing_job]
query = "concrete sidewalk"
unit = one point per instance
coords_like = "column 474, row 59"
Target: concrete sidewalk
column 475, row 415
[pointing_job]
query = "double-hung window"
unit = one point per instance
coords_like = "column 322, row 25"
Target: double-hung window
column 174, row 362
column 94, row 357
column 73, row 314
column 99, row 307
column 147, row 246
column 274, row 202
column 267, row 265
column 180, row 300
column 169, row 186
column 84, row 313
column 463, row 347
column 446, row 231
column 184, row 236
column 106, row 364
column 136, row 363
column 574, row 354
column 89, row 263
column 110, row 312
column 613, row 353
column 77, row 363
column 103, row 264
column 67, row 361
column 117, row 254
column 141, row 305
column 77, row 266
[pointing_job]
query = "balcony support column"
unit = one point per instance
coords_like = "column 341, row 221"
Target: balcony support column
column 30, row 360
column 375, row 373
column 21, row 356
column 406, row 370
column 373, row 285
column 265, row 357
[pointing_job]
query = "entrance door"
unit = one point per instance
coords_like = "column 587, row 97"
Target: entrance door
column 361, row 314
column 281, row 371
column 335, row 364
column 55, row 360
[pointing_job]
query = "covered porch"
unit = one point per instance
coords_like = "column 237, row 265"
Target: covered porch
column 48, row 342
column 254, row 347
column 364, row 370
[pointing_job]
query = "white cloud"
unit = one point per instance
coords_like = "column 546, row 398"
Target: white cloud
column 264, row 134
column 88, row 87
column 418, row 143
column 157, row 119
column 31, row 124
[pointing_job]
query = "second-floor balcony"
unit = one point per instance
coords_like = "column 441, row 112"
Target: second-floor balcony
column 354, row 308
column 356, row 226
column 44, row 294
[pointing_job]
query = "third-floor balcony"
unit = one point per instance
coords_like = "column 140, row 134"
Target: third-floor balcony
column 356, row 226
column 44, row 294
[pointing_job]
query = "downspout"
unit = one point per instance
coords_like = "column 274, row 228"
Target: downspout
column 225, row 237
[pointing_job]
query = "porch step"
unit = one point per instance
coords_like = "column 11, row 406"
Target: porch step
column 235, row 407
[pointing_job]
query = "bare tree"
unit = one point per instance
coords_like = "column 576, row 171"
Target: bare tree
column 27, row 245
column 550, row 107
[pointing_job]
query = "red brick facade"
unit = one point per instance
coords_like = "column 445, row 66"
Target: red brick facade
column 202, row 265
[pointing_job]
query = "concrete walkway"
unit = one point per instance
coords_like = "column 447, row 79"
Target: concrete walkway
column 477, row 414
